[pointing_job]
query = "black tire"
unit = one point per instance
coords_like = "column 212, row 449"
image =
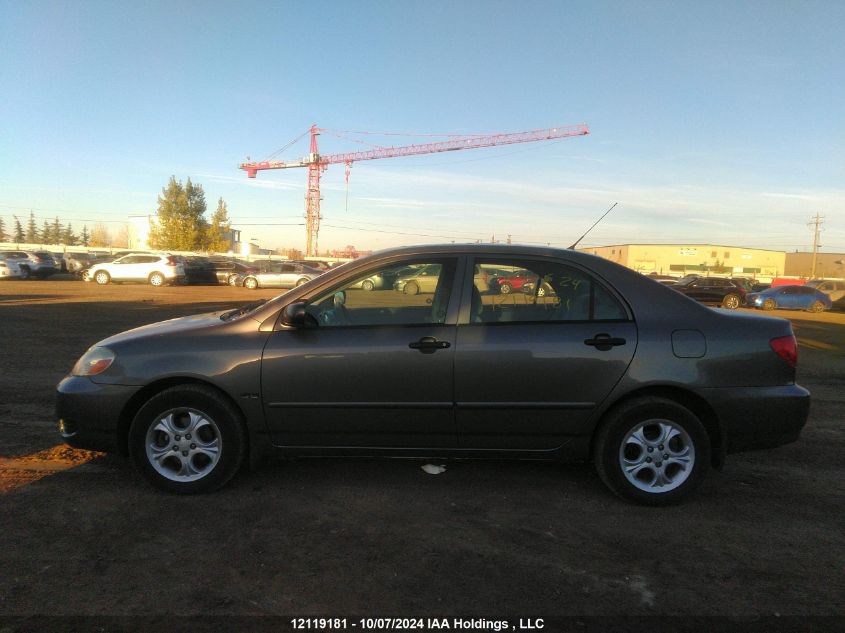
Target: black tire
column 769, row 304
column 505, row 288
column 817, row 306
column 25, row 272
column 609, row 443
column 102, row 277
column 411, row 288
column 731, row 301
column 228, row 421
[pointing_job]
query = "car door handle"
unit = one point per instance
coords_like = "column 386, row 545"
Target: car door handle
column 429, row 344
column 604, row 342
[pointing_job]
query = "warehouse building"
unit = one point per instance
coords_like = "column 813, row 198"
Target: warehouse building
column 827, row 265
column 681, row 259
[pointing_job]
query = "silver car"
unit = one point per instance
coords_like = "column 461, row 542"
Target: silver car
column 281, row 275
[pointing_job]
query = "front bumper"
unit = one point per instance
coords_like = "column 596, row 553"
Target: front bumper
column 89, row 413
column 759, row 417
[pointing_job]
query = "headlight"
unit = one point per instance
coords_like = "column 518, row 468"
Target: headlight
column 95, row 361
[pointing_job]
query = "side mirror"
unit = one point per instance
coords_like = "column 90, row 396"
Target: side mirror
column 295, row 315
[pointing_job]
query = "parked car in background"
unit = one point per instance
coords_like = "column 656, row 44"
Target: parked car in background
column 10, row 264
column 508, row 282
column 833, row 288
column 156, row 270
column 227, row 271
column 38, row 264
column 76, row 262
column 750, row 285
column 280, row 275
column 653, row 387
column 422, row 279
column 791, row 298
column 713, row 290
column 198, row 270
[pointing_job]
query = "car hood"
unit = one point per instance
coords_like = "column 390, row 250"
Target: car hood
column 168, row 328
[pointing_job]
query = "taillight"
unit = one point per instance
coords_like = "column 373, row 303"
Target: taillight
column 786, row 347
column 171, row 261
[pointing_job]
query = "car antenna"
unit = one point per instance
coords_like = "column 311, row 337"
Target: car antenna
column 592, row 227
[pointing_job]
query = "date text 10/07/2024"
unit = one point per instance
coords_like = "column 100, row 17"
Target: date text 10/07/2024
column 415, row 624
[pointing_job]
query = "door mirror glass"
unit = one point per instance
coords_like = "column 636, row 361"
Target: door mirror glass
column 295, row 315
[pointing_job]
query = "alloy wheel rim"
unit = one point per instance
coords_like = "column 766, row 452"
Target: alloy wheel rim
column 657, row 456
column 733, row 302
column 155, row 280
column 183, row 444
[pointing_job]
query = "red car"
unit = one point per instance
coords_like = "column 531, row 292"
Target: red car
column 513, row 281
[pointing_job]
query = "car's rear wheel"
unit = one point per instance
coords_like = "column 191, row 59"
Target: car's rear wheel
column 102, row 277
column 301, row 281
column 817, row 306
column 367, row 285
column 505, row 288
column 156, row 279
column 652, row 451
column 731, row 302
column 25, row 273
column 411, row 288
column 187, row 439
column 232, row 280
column 769, row 304
column 251, row 283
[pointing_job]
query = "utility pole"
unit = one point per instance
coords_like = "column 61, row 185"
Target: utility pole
column 815, row 223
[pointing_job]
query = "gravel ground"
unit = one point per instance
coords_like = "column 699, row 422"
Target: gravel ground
column 82, row 535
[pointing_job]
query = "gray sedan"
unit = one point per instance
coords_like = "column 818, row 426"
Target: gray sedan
column 651, row 386
column 279, row 275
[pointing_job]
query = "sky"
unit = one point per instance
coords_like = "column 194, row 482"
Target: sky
column 719, row 122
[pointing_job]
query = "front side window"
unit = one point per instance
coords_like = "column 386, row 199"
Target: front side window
column 540, row 291
column 407, row 293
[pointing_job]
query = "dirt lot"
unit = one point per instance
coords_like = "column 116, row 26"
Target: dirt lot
column 83, row 535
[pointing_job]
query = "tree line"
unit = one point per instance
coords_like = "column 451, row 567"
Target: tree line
column 179, row 224
column 51, row 232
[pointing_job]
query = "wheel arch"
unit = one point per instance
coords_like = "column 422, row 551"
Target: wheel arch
column 135, row 403
column 686, row 398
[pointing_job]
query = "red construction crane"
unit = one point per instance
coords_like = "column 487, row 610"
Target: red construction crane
column 317, row 163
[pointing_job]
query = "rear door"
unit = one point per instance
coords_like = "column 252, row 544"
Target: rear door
column 530, row 370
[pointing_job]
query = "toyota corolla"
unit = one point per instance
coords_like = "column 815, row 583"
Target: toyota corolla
column 609, row 366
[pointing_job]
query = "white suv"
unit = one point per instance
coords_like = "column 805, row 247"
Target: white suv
column 156, row 270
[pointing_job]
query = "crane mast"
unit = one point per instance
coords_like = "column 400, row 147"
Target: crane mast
column 317, row 163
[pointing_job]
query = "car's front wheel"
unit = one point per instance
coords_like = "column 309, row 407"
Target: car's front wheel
column 817, row 306
column 368, row 285
column 769, row 304
column 233, row 280
column 102, row 277
column 411, row 288
column 251, row 283
column 652, row 451
column 187, row 439
column 505, row 288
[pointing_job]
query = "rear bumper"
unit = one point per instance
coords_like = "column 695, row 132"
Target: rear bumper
column 89, row 413
column 759, row 417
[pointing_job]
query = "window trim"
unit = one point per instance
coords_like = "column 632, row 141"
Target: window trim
column 489, row 259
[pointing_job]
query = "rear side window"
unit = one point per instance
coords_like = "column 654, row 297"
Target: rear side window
column 539, row 291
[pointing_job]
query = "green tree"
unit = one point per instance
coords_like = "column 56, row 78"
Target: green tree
column 179, row 224
column 2, row 230
column 217, row 235
column 56, row 231
column 31, row 229
column 84, row 237
column 18, row 234
column 67, row 235
column 46, row 233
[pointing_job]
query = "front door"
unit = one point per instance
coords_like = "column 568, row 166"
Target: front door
column 533, row 364
column 377, row 370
